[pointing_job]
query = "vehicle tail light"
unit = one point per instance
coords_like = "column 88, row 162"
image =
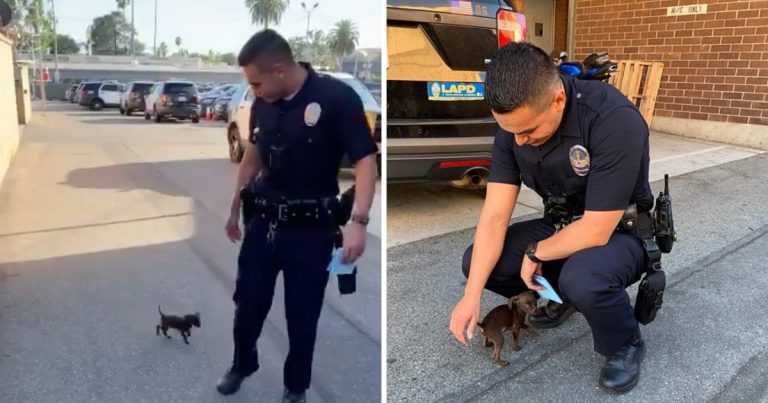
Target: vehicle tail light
column 164, row 99
column 194, row 99
column 461, row 164
column 510, row 27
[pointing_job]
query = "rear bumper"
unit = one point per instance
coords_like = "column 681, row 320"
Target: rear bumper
column 434, row 167
column 136, row 105
column 449, row 150
column 442, row 159
column 184, row 112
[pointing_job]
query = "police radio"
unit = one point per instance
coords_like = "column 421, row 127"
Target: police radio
column 650, row 293
column 665, row 226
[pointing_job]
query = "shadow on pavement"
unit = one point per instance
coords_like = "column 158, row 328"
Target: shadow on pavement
column 86, row 322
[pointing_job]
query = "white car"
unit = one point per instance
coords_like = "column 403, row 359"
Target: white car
column 97, row 95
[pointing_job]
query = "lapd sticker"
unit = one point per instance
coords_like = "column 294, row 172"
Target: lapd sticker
column 579, row 157
column 312, row 114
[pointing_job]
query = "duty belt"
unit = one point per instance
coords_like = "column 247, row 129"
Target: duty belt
column 295, row 211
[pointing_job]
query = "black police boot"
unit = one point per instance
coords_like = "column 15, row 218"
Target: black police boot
column 551, row 315
column 230, row 382
column 622, row 370
column 293, row 397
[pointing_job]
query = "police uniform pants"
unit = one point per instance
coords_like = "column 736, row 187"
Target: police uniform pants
column 303, row 254
column 593, row 280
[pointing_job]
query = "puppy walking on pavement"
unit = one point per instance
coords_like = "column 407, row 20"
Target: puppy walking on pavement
column 182, row 324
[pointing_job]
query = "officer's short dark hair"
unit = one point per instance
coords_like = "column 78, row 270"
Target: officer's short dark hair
column 519, row 74
column 265, row 48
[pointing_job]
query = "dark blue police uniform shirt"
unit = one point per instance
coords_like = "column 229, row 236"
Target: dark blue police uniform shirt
column 601, row 119
column 321, row 123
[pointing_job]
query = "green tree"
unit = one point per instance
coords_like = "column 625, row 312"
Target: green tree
column 122, row 5
column 228, row 58
column 343, row 39
column 67, row 45
column 111, row 35
column 266, row 12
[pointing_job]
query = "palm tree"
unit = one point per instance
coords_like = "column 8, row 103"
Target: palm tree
column 343, row 39
column 122, row 5
column 266, row 12
column 162, row 50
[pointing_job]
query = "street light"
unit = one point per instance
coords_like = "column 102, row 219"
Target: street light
column 309, row 10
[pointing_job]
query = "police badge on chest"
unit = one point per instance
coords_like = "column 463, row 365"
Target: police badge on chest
column 579, row 157
column 312, row 114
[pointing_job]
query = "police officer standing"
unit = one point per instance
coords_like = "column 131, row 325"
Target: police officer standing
column 302, row 123
column 583, row 147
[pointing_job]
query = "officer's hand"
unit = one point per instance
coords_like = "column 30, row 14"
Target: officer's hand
column 354, row 242
column 233, row 228
column 464, row 318
column 527, row 270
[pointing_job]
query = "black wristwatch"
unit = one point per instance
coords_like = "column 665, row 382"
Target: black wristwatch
column 360, row 219
column 530, row 251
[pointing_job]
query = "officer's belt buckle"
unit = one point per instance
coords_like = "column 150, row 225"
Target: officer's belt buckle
column 282, row 212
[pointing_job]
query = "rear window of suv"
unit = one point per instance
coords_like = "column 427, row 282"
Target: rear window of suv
column 142, row 88
column 179, row 88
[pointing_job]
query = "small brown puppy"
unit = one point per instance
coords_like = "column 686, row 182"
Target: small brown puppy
column 182, row 324
column 510, row 316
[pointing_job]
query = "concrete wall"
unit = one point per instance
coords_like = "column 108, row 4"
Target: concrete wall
column 9, row 119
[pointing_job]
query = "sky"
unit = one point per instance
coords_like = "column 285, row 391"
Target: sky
column 221, row 25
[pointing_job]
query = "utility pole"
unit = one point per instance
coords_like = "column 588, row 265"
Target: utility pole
column 309, row 11
column 55, row 44
column 133, row 28
column 155, row 42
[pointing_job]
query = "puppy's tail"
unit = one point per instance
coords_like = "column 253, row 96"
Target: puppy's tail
column 161, row 312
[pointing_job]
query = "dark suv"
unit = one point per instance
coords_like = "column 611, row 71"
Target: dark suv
column 438, row 124
column 132, row 99
column 176, row 99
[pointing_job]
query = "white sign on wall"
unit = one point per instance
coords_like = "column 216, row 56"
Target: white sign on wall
column 687, row 10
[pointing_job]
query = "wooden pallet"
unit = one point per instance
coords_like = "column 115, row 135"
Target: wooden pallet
column 639, row 81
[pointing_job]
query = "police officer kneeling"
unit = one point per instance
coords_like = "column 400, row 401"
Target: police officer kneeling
column 301, row 125
column 583, row 147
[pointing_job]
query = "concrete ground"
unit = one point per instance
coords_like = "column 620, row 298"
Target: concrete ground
column 708, row 342
column 105, row 217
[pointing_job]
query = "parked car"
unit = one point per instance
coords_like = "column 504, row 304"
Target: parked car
column 132, row 99
column 98, row 95
column 240, row 116
column 176, row 99
column 221, row 103
column 438, row 124
column 208, row 100
column 69, row 94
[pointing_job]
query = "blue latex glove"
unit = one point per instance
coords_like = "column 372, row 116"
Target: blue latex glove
column 548, row 292
column 336, row 266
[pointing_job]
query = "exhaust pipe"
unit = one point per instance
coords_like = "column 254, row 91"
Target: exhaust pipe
column 474, row 178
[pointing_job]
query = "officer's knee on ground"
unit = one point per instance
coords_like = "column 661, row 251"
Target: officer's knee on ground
column 466, row 260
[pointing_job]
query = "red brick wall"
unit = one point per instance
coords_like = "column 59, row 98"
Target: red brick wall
column 715, row 64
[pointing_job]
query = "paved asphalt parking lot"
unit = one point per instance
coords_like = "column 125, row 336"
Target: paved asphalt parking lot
column 103, row 218
column 708, row 342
